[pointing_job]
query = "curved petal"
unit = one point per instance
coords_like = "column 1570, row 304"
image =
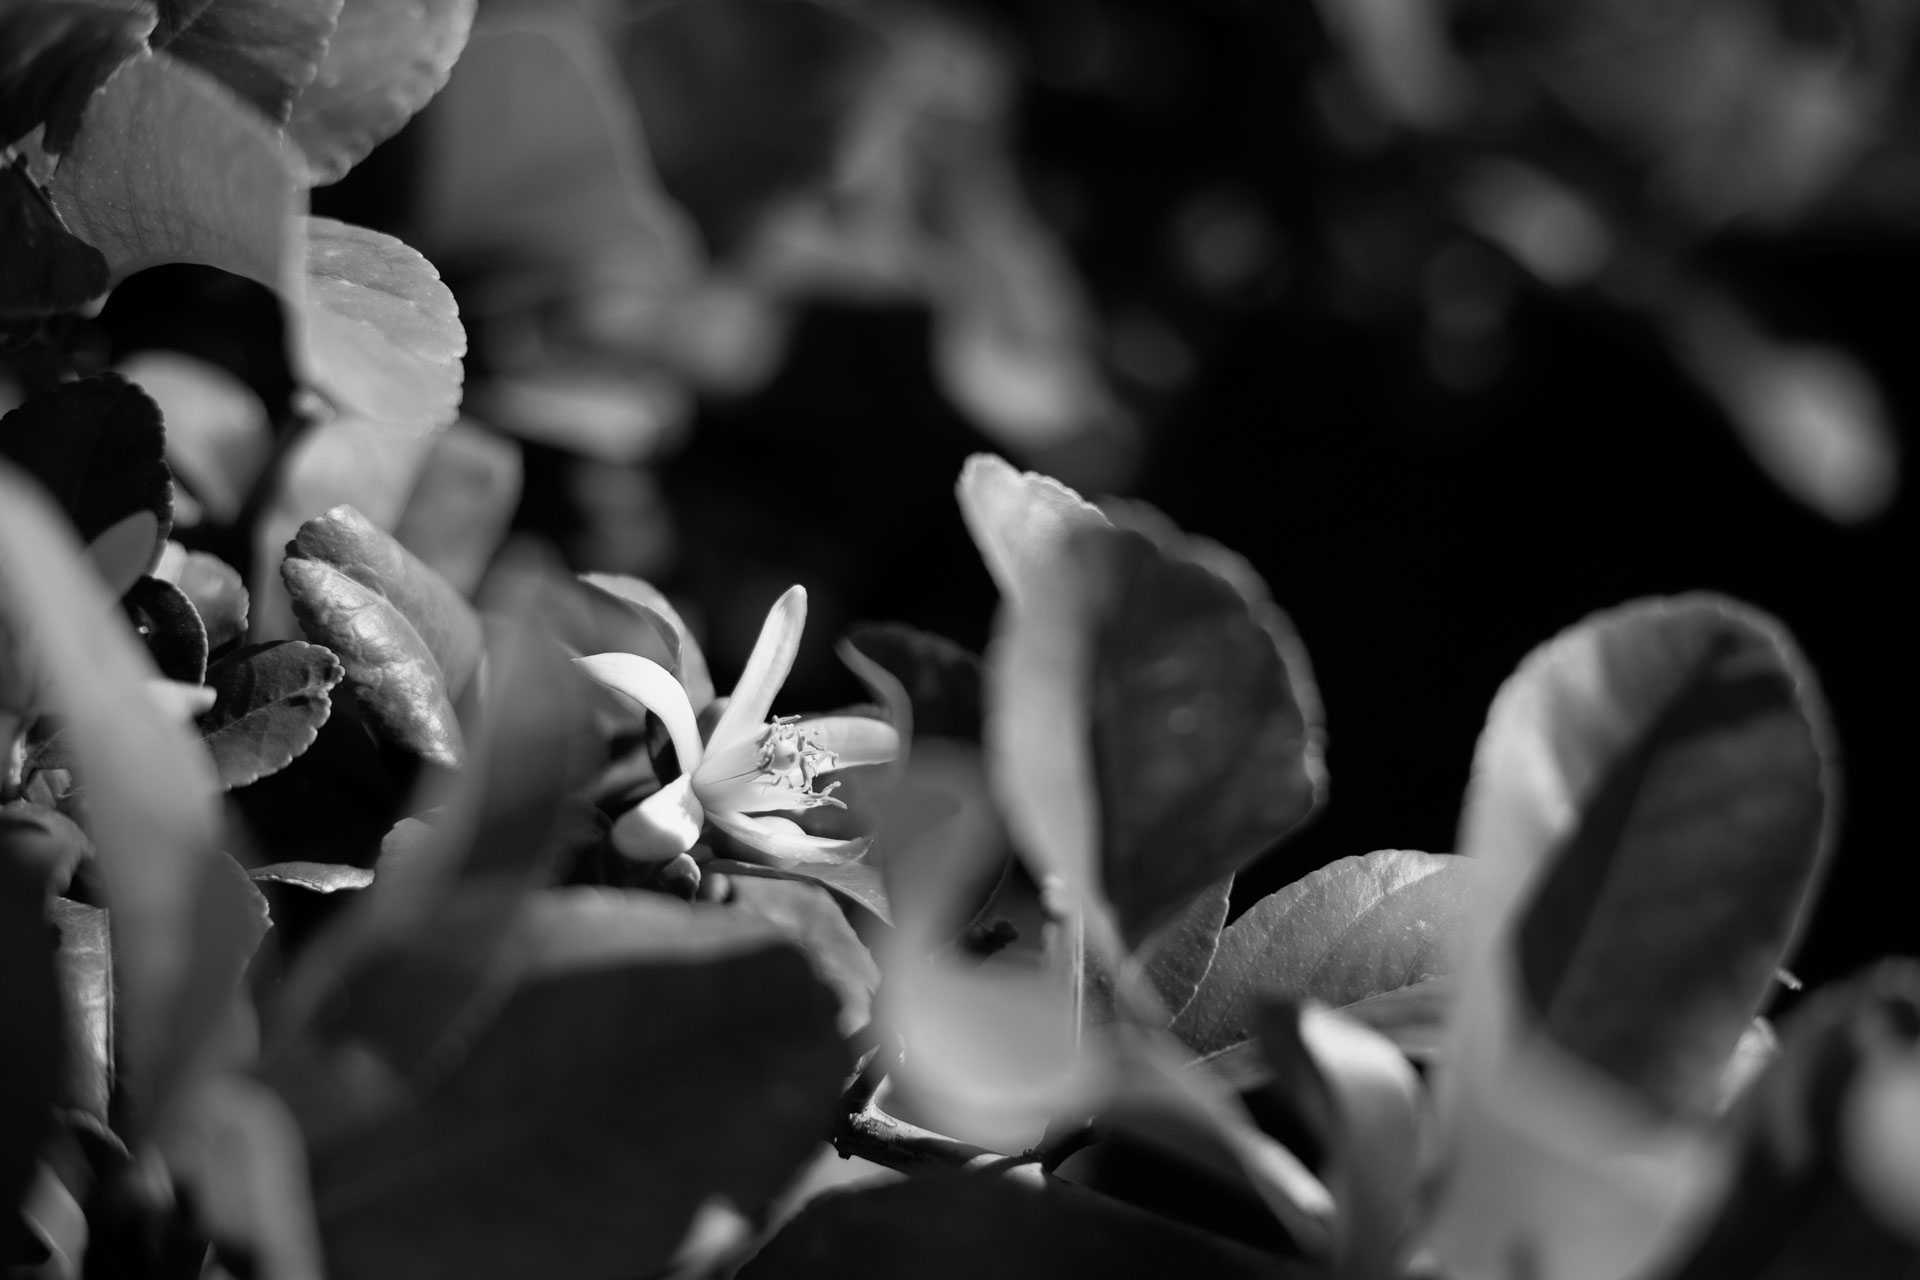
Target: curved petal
column 854, row 740
column 779, row 838
column 653, row 687
column 765, row 672
column 663, row 826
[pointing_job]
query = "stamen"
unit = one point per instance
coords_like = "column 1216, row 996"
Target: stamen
column 791, row 759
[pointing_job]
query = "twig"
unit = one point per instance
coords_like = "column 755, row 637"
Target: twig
column 867, row 1131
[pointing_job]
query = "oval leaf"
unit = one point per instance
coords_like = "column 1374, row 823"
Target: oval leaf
column 1354, row 929
column 270, row 701
column 383, row 64
column 166, row 621
column 214, row 586
column 168, row 167
column 98, row 446
column 379, row 334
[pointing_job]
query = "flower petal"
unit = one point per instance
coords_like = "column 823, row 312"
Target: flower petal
column 765, row 672
column 653, row 687
column 782, row 839
column 854, row 740
column 663, row 826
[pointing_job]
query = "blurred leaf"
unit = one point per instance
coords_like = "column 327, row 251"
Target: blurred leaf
column 379, row 335
column 1178, row 955
column 811, row 920
column 169, row 168
column 85, row 964
column 1414, row 1017
column 266, row 51
column 409, row 642
column 182, row 927
column 53, row 55
column 611, row 411
column 30, row 1070
column 98, row 446
column 536, row 157
column 383, row 63
column 1360, row 1100
column 271, row 700
column 1020, row 520
column 49, row 270
column 941, row 679
column 42, row 841
column 215, row 589
column 1824, row 1179
column 649, row 603
column 942, row 846
column 462, row 504
column 122, row 555
column 1356, row 929
column 854, row 882
column 166, row 621
column 320, row 877
column 218, row 431
column 722, row 1086
column 957, row 1227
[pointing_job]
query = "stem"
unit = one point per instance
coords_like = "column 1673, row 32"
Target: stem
column 870, row 1133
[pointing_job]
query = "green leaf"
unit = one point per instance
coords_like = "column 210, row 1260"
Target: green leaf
column 1823, row 1180
column 1650, row 807
column 409, row 642
column 319, row 877
column 1355, row 929
column 652, row 1055
column 168, row 167
column 30, row 1012
column 166, row 621
column 215, row 589
column 85, row 963
column 98, row 446
column 218, row 432
column 940, row 1226
column 266, row 51
column 535, row 163
column 384, row 62
column 377, row 332
column 47, row 269
column 270, row 701
column 53, row 55
column 183, row 928
column 462, row 504
column 807, row 914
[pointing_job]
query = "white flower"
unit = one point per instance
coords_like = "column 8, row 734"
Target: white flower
column 750, row 766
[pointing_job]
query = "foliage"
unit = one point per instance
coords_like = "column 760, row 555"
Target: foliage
column 377, row 900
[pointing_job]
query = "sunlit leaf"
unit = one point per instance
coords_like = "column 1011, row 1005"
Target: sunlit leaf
column 270, row 701
column 49, row 269
column 54, row 54
column 1021, row 521
column 266, row 51
column 86, row 993
column 383, row 63
column 98, row 446
column 378, row 333
column 318, row 877
column 1355, row 929
column 168, row 167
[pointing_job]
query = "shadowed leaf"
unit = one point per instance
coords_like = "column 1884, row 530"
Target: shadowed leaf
column 30, row 1070
column 170, row 627
column 47, row 268
column 53, row 55
column 270, row 701
column 98, row 446
column 266, row 51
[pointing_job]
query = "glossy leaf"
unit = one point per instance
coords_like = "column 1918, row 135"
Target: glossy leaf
column 266, row 51
column 810, row 918
column 170, row 627
column 85, row 964
column 462, row 504
column 1356, row 929
column 723, row 1087
column 318, row 877
column 956, row 1227
column 536, row 157
column 50, row 270
column 218, row 432
column 168, row 167
column 53, row 55
column 215, row 589
column 270, row 701
column 30, row 1011
column 379, row 334
column 383, row 63
column 408, row 641
column 183, row 928
column 99, row 448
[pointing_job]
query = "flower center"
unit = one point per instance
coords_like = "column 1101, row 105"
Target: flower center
column 791, row 759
